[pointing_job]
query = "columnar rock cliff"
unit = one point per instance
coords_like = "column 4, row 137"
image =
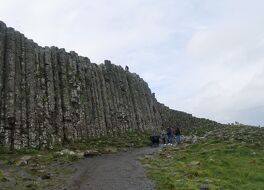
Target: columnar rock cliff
column 49, row 96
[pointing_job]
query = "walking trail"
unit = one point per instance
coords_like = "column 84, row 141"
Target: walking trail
column 121, row 171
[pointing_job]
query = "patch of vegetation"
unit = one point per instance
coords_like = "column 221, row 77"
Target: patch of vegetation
column 1, row 175
column 103, row 145
column 108, row 144
column 231, row 158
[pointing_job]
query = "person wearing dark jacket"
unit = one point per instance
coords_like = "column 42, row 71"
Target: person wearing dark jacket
column 155, row 138
column 170, row 135
column 178, row 135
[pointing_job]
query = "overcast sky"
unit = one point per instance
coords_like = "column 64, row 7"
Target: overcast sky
column 205, row 57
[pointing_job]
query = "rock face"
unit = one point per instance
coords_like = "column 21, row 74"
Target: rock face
column 49, row 96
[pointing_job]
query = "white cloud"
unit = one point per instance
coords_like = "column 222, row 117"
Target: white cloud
column 230, row 52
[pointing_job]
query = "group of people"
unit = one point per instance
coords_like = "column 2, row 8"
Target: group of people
column 171, row 136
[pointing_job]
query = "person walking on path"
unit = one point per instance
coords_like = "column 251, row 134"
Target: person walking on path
column 178, row 135
column 170, row 135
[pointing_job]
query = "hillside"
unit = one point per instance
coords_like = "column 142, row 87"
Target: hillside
column 230, row 157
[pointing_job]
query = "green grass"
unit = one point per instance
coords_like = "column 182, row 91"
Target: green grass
column 232, row 165
column 129, row 140
column 1, row 175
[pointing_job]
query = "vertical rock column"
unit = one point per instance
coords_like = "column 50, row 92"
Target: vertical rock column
column 49, row 101
column 56, row 114
column 22, row 137
column 67, row 127
column 100, row 129
column 30, row 93
column 113, row 98
column 18, row 91
column 79, row 112
column 73, row 89
column 10, row 86
column 2, row 75
column 106, row 104
column 110, row 105
column 133, row 90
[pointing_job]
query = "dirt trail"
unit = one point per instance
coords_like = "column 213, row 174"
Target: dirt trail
column 121, row 171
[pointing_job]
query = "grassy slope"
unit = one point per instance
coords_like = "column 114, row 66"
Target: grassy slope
column 231, row 158
column 102, row 145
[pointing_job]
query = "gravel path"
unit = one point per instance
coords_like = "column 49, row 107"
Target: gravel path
column 121, row 171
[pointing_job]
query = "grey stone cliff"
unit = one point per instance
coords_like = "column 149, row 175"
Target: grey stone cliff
column 49, row 96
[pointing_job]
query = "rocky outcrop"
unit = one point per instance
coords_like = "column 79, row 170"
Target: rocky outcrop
column 49, row 96
column 170, row 118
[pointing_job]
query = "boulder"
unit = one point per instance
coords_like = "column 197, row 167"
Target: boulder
column 66, row 152
column 194, row 139
column 23, row 160
column 110, row 150
column 46, row 176
column 91, row 153
column 194, row 163
column 204, row 187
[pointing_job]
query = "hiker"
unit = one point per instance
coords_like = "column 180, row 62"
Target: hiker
column 164, row 137
column 178, row 135
column 170, row 135
column 155, row 138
